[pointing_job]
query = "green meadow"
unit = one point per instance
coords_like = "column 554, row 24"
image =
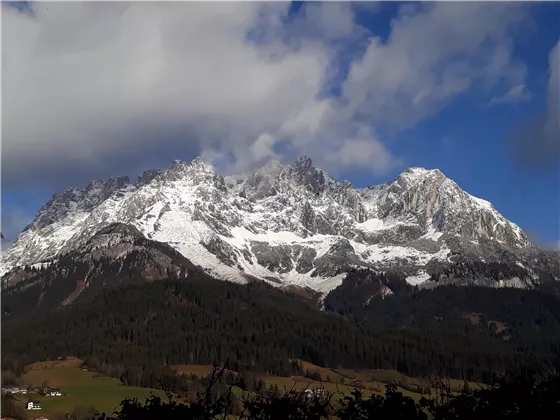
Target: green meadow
column 80, row 389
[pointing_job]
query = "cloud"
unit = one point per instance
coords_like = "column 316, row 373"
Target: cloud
column 89, row 74
column 519, row 93
column 366, row 151
column 107, row 87
column 263, row 148
column 432, row 56
column 332, row 21
column 13, row 222
column 534, row 144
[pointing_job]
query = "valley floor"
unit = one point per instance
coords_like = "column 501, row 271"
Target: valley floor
column 81, row 388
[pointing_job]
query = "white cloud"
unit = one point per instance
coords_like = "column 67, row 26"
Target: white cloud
column 535, row 142
column 85, row 73
column 88, row 82
column 330, row 21
column 430, row 57
column 518, row 93
column 263, row 148
column 365, row 151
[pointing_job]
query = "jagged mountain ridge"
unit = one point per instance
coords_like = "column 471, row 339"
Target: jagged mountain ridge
column 289, row 225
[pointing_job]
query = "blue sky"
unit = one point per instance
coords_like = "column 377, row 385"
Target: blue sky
column 364, row 89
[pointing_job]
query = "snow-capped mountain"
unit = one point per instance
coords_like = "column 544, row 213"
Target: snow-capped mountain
column 292, row 225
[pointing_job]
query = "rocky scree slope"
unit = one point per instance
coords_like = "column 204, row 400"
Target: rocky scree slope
column 295, row 225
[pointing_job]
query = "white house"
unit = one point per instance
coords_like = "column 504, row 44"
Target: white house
column 313, row 392
column 15, row 390
column 33, row 405
column 54, row 393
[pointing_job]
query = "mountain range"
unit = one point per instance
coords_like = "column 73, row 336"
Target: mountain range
column 288, row 225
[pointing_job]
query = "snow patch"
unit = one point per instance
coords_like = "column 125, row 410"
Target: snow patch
column 483, row 204
column 514, row 282
column 419, row 278
column 432, row 234
column 41, row 265
column 385, row 253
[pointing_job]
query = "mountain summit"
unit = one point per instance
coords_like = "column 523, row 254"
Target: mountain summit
column 294, row 225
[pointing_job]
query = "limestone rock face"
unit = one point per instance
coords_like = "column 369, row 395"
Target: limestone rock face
column 293, row 224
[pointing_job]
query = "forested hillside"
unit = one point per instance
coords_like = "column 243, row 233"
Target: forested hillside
column 528, row 320
column 526, row 311
column 132, row 330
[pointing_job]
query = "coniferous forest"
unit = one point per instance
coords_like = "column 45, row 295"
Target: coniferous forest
column 130, row 331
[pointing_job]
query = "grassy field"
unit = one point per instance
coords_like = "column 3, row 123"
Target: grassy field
column 343, row 381
column 338, row 381
column 80, row 388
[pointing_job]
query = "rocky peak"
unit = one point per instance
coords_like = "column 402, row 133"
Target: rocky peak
column 438, row 203
column 302, row 173
column 195, row 173
column 413, row 178
column 196, row 165
column 347, row 196
column 260, row 184
column 418, row 173
column 104, row 186
column 148, row 176
column 197, row 162
column 198, row 168
column 176, row 171
column 76, row 200
column 303, row 162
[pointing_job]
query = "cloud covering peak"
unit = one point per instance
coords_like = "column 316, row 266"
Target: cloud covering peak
column 90, row 85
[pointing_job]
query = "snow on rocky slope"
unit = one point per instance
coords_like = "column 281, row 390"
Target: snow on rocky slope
column 288, row 225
